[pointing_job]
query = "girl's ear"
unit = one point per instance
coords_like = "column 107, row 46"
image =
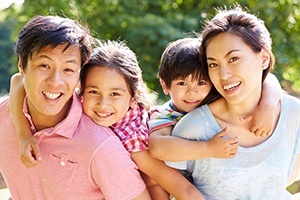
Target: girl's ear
column 132, row 103
column 164, row 86
column 265, row 58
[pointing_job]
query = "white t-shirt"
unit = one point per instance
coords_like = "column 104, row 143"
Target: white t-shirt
column 259, row 172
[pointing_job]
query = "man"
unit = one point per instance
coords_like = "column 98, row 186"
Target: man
column 81, row 160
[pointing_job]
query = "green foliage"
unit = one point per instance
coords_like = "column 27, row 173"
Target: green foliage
column 149, row 25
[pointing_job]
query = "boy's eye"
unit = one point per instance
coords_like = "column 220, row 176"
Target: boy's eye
column 181, row 83
column 202, row 83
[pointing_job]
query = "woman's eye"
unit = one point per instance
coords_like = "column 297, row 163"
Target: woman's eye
column 233, row 59
column 212, row 65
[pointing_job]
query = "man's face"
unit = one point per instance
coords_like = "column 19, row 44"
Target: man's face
column 50, row 79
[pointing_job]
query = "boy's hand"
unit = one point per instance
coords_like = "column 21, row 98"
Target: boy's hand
column 223, row 147
column 30, row 152
column 262, row 121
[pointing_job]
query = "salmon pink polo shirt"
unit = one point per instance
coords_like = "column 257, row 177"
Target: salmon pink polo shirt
column 80, row 160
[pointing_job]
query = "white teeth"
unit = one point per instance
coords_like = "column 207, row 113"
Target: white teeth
column 231, row 86
column 191, row 101
column 104, row 115
column 51, row 95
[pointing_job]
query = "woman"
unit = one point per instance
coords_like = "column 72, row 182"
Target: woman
column 236, row 49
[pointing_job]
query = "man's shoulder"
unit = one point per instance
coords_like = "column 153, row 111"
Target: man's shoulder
column 86, row 123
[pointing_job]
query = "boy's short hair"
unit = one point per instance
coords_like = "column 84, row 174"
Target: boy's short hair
column 42, row 31
column 180, row 59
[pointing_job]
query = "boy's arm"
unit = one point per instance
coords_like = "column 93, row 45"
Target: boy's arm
column 163, row 146
column 263, row 120
column 30, row 153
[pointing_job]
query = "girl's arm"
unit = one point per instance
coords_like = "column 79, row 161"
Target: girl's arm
column 168, row 178
column 30, row 153
column 263, row 120
column 163, row 146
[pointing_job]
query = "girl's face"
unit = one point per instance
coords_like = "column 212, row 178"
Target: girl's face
column 106, row 98
column 187, row 94
column 234, row 68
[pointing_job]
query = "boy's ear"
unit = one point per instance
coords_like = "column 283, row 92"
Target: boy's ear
column 265, row 58
column 164, row 86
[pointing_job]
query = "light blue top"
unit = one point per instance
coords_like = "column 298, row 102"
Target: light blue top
column 259, row 172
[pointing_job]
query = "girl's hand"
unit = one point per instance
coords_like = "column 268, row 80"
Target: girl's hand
column 30, row 152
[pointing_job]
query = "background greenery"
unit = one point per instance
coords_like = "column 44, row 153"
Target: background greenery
column 149, row 25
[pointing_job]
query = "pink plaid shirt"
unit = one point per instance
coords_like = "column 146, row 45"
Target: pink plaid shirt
column 133, row 129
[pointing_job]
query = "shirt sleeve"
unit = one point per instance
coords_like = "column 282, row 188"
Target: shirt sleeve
column 115, row 173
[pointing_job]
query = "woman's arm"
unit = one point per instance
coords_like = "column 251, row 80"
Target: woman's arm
column 30, row 153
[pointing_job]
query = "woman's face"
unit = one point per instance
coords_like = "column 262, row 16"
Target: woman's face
column 234, row 68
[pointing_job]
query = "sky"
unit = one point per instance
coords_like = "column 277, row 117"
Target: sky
column 6, row 3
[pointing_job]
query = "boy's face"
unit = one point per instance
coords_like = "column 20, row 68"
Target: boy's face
column 50, row 78
column 106, row 98
column 187, row 94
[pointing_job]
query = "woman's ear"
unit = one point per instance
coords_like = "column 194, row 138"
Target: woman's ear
column 265, row 58
column 164, row 86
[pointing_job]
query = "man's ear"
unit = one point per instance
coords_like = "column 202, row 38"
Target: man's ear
column 265, row 58
column 20, row 67
column 164, row 86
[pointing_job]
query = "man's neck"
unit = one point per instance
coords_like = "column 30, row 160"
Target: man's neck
column 42, row 121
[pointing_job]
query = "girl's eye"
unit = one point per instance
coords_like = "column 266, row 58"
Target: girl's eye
column 233, row 59
column 93, row 92
column 115, row 94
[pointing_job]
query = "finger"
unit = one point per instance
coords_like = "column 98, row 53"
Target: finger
column 36, row 153
column 233, row 141
column 223, row 132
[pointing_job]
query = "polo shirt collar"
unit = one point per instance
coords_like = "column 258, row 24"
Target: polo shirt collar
column 66, row 127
